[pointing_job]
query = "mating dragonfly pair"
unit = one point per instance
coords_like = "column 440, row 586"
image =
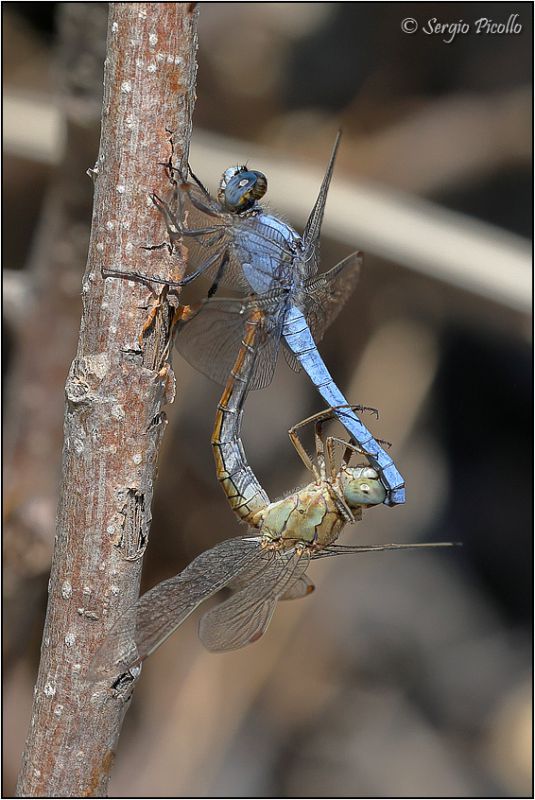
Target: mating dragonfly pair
column 236, row 342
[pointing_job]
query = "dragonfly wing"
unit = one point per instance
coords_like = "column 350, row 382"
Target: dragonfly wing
column 245, row 616
column 200, row 212
column 291, row 359
column 211, row 339
column 301, row 588
column 326, row 294
column 160, row 611
column 312, row 232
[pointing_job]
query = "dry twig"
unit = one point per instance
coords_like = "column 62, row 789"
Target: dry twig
column 115, row 392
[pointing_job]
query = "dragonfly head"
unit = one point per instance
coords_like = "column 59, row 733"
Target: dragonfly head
column 240, row 188
column 361, row 486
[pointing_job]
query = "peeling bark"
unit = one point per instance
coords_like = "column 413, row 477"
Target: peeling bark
column 115, row 391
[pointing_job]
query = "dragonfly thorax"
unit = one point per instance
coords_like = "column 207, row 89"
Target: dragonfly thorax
column 361, row 486
column 240, row 188
column 308, row 516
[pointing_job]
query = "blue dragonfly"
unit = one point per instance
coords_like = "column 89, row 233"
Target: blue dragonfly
column 237, row 243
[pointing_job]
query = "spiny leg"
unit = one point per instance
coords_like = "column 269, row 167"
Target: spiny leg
column 185, row 186
column 350, row 448
column 328, row 414
column 168, row 282
column 302, row 453
column 197, row 181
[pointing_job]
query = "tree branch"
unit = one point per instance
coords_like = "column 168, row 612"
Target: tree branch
column 115, row 392
column 44, row 322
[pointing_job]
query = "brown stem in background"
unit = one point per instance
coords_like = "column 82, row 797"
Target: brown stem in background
column 45, row 322
column 115, row 392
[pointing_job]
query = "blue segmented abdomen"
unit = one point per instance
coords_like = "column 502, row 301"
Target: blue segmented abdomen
column 299, row 339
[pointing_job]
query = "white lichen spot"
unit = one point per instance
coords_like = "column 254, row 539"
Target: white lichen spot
column 102, row 566
column 114, row 27
column 137, row 459
column 152, row 68
column 121, row 189
column 170, row 59
column 160, row 57
column 87, row 591
column 153, row 39
column 115, row 590
column 135, row 671
column 118, row 412
column 66, row 590
column 76, row 668
column 58, row 710
column 78, row 446
column 139, row 62
column 50, row 689
column 126, row 87
column 104, row 305
column 110, row 529
column 70, row 639
column 129, row 122
column 113, row 329
column 110, row 226
column 49, row 585
column 142, row 14
column 100, row 247
column 178, row 60
column 46, row 641
column 126, row 224
column 128, row 247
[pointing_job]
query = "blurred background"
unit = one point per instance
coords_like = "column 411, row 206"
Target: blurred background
column 404, row 674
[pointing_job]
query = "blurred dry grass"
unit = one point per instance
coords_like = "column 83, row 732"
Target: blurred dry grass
column 404, row 674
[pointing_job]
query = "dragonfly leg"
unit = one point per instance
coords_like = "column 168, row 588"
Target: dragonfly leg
column 149, row 322
column 197, row 181
column 353, row 407
column 185, row 187
column 175, row 229
column 219, row 274
column 345, row 511
column 329, row 414
column 168, row 282
column 302, row 453
column 320, row 417
column 351, row 447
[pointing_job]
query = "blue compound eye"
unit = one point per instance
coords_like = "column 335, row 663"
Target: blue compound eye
column 243, row 189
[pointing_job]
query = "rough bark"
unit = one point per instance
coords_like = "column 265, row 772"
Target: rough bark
column 115, row 391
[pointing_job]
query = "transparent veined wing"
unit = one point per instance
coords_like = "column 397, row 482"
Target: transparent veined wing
column 245, row 616
column 160, row 611
column 311, row 235
column 211, row 338
column 301, row 588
